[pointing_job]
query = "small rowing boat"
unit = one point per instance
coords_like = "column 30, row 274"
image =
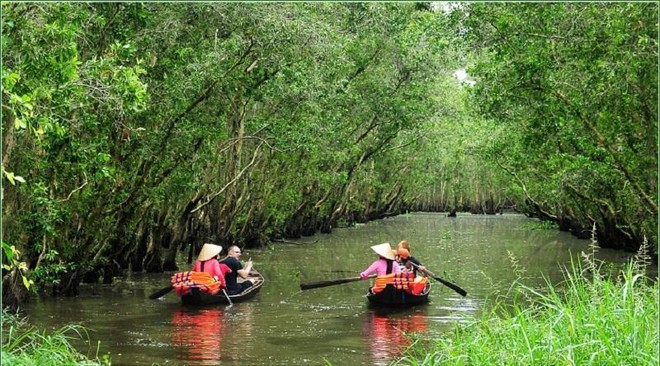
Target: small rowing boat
column 197, row 297
column 390, row 296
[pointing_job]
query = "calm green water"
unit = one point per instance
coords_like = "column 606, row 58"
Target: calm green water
column 285, row 326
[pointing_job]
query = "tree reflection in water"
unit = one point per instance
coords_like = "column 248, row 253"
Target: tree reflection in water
column 198, row 332
column 388, row 334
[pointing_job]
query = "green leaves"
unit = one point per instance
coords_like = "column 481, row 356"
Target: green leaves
column 9, row 79
column 11, row 262
column 270, row 115
column 564, row 79
column 13, row 178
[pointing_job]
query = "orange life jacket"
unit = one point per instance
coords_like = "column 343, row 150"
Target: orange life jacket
column 184, row 281
column 404, row 281
column 381, row 282
column 419, row 285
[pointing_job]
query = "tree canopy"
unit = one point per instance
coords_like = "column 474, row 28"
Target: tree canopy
column 134, row 131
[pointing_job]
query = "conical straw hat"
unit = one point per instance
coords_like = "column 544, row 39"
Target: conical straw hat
column 208, row 251
column 384, row 250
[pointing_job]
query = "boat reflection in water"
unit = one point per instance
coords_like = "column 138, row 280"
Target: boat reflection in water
column 388, row 335
column 198, row 333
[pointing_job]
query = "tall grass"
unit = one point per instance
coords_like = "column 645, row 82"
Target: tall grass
column 588, row 319
column 23, row 344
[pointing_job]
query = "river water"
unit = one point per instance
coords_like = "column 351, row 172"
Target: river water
column 285, row 326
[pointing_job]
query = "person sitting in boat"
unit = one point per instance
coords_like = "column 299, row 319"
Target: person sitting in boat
column 232, row 261
column 383, row 266
column 402, row 259
column 207, row 274
column 207, row 261
column 408, row 280
column 411, row 262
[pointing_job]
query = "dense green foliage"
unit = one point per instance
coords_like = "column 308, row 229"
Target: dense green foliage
column 134, row 131
column 143, row 128
column 569, row 95
column 23, row 344
column 590, row 319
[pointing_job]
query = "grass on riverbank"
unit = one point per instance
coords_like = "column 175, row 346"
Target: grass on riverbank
column 589, row 319
column 23, row 344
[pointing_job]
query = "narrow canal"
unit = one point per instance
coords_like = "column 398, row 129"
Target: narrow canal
column 285, row 326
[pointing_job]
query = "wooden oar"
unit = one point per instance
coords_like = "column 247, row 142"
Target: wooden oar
column 444, row 282
column 162, row 292
column 317, row 284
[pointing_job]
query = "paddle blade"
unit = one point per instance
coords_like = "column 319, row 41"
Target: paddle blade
column 444, row 282
column 452, row 286
column 162, row 292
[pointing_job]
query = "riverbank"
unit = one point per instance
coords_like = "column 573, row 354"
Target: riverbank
column 23, row 344
column 592, row 318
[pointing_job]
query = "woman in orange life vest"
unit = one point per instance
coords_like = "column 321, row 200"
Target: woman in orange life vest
column 403, row 244
column 418, row 283
column 207, row 261
column 384, row 265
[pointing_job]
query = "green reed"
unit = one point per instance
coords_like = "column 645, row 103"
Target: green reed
column 591, row 318
column 23, row 344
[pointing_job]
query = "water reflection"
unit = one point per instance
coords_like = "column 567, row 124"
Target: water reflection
column 238, row 333
column 388, row 333
column 198, row 332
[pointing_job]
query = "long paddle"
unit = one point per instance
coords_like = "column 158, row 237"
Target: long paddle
column 162, row 292
column 444, row 282
column 317, row 284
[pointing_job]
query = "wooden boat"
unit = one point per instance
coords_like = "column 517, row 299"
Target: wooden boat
column 197, row 297
column 390, row 296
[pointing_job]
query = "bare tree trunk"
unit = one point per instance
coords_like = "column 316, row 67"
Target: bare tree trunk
column 8, row 141
column 179, row 231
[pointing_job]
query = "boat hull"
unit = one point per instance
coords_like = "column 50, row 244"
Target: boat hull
column 391, row 297
column 197, row 297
